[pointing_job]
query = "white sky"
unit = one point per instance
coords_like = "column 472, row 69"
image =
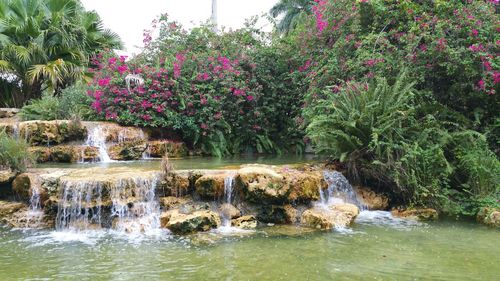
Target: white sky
column 129, row 18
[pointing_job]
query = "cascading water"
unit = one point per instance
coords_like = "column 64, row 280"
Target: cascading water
column 85, row 205
column 34, row 214
column 228, row 192
column 135, row 206
column 79, row 206
column 97, row 139
column 339, row 190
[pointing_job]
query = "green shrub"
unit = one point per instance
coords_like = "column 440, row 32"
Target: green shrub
column 14, row 153
column 72, row 103
column 379, row 131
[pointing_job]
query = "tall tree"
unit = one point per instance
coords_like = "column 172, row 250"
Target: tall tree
column 292, row 10
column 46, row 44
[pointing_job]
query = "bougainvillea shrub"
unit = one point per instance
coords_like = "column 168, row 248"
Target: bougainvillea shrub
column 224, row 93
column 450, row 49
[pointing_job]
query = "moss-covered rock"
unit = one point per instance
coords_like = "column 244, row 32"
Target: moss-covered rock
column 6, row 177
column 262, row 184
column 40, row 154
column 489, row 216
column 245, row 222
column 304, row 185
column 178, row 183
column 278, row 214
column 158, row 149
column 24, row 185
column 52, row 132
column 180, row 223
column 129, row 150
column 8, row 208
column 422, row 214
column 210, row 186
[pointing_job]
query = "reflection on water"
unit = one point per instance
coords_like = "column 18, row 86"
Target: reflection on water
column 375, row 249
column 196, row 162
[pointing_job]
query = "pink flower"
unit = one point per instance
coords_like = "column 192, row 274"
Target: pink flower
column 204, row 126
column 218, row 115
column 122, row 68
column 250, row 98
column 97, row 106
column 112, row 61
column 177, row 70
column 104, row 82
column 98, row 94
column 480, row 84
column 146, row 104
column 123, row 58
column 475, row 33
column 496, row 77
column 487, row 65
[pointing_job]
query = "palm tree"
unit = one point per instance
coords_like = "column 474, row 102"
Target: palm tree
column 46, row 44
column 293, row 10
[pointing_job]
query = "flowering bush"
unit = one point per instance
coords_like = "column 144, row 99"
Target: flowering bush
column 220, row 96
column 414, row 149
column 450, row 49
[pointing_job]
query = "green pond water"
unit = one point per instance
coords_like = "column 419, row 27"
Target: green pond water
column 377, row 247
column 195, row 162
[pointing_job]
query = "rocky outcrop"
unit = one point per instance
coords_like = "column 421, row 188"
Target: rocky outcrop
column 179, row 183
column 8, row 112
column 336, row 216
column 489, row 216
column 180, row 223
column 115, row 133
column 127, row 150
column 244, row 222
column 6, row 177
column 422, row 214
column 210, row 186
column 370, row 199
column 278, row 214
column 229, row 211
column 64, row 153
column 262, row 184
column 8, row 208
column 157, row 149
column 52, row 132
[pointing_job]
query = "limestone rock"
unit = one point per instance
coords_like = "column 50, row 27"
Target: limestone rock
column 116, row 133
column 6, row 177
column 8, row 112
column 245, row 222
column 340, row 215
column 8, row 208
column 370, row 199
column 171, row 202
column 279, row 214
column 25, row 184
column 180, row 223
column 422, row 214
column 229, row 211
column 262, row 184
column 157, row 149
column 129, row 150
column 489, row 216
column 304, row 185
column 52, row 132
column 41, row 154
column 210, row 186
column 177, row 184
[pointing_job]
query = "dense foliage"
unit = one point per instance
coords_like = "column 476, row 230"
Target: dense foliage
column 46, row 44
column 73, row 103
column 227, row 93
column 420, row 137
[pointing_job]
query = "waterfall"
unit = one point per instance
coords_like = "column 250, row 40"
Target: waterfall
column 339, row 190
column 97, row 138
column 34, row 214
column 228, row 191
column 79, row 206
column 15, row 131
column 135, row 206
